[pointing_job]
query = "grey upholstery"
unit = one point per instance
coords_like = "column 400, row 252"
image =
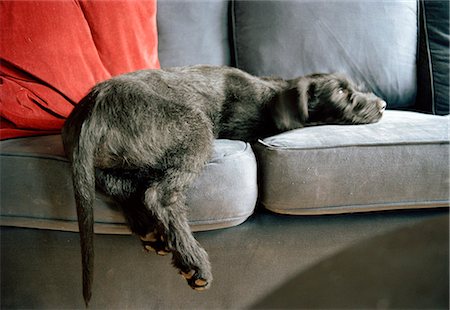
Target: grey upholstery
column 37, row 189
column 373, row 42
column 193, row 32
column 436, row 41
column 400, row 162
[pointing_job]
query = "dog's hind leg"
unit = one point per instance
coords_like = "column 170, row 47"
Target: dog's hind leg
column 127, row 188
column 188, row 256
column 166, row 200
column 143, row 223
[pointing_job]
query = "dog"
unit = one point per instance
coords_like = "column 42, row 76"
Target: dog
column 143, row 137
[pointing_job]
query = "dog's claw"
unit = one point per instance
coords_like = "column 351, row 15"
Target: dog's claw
column 150, row 237
column 195, row 282
column 200, row 282
column 188, row 275
column 162, row 252
column 201, row 288
column 148, row 248
column 155, row 242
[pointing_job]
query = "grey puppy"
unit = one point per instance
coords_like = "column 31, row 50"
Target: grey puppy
column 143, row 137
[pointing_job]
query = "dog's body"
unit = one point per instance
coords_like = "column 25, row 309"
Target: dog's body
column 143, row 137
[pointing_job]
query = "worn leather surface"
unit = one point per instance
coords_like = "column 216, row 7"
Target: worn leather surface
column 406, row 268
column 41, row 269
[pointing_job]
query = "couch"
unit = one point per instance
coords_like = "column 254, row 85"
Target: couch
column 253, row 205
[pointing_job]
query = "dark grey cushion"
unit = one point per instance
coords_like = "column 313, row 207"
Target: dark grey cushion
column 37, row 188
column 437, row 38
column 374, row 42
column 400, row 162
column 193, row 32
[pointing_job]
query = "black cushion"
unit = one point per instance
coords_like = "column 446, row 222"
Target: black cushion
column 436, row 40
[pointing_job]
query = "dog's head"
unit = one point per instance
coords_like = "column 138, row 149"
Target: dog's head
column 326, row 99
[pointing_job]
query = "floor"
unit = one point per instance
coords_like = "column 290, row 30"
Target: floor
column 407, row 268
column 40, row 269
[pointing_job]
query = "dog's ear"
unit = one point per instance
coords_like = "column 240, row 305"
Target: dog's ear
column 290, row 108
column 305, row 89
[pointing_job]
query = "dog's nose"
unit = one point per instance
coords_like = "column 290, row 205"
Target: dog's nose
column 381, row 105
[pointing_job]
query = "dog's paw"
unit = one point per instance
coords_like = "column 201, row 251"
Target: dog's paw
column 196, row 280
column 154, row 241
column 195, row 268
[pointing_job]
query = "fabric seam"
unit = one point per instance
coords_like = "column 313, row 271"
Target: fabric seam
column 280, row 208
column 282, row 148
column 429, row 56
column 234, row 33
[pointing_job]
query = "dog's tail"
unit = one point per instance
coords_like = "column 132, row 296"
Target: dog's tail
column 80, row 141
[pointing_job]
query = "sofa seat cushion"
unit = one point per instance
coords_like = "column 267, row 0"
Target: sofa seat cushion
column 37, row 188
column 400, row 162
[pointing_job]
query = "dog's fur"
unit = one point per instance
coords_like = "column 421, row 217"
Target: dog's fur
column 143, row 137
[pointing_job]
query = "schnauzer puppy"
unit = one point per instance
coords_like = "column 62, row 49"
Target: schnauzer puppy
column 143, row 137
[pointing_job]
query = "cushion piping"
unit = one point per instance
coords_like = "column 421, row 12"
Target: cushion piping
column 234, row 34
column 289, row 148
column 429, row 56
column 64, row 159
column 111, row 228
column 357, row 208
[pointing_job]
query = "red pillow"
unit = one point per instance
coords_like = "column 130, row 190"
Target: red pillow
column 53, row 52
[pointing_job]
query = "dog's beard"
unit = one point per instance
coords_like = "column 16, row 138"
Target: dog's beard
column 343, row 112
column 366, row 108
column 368, row 117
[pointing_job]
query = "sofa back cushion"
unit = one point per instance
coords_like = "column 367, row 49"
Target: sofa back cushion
column 193, row 32
column 373, row 42
column 434, row 70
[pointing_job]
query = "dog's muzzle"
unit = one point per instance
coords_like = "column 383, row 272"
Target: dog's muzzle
column 381, row 104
